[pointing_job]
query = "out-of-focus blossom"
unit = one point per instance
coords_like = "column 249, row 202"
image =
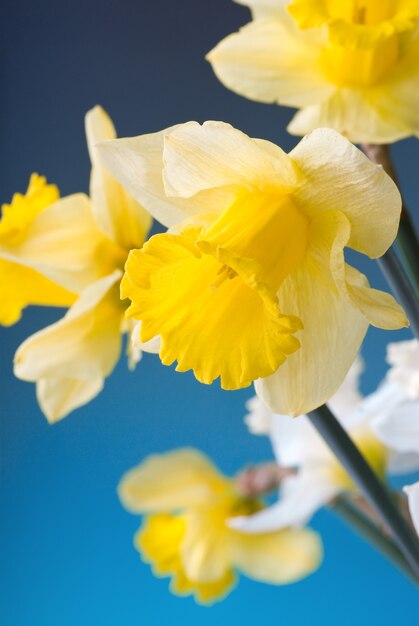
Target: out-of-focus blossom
column 251, row 276
column 70, row 359
column 184, row 535
column 348, row 65
column 384, row 426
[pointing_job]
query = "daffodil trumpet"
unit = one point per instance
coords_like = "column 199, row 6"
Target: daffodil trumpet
column 367, row 482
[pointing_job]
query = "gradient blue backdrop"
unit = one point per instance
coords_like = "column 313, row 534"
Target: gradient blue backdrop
column 66, row 543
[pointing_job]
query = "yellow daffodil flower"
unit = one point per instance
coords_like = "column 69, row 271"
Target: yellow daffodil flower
column 250, row 282
column 70, row 359
column 351, row 65
column 185, row 535
column 36, row 266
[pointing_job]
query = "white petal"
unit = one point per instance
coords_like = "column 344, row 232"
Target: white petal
column 259, row 418
column 399, row 428
column 302, row 496
column 412, row 492
column 403, row 357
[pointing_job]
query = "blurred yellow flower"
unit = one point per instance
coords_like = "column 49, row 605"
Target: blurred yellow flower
column 20, row 283
column 70, row 359
column 358, row 75
column 185, row 535
column 255, row 255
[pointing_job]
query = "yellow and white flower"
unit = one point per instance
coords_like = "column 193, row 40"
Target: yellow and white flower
column 185, row 535
column 250, row 282
column 384, row 425
column 351, row 65
column 70, row 359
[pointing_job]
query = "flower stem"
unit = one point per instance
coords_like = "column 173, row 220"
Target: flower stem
column 396, row 277
column 355, row 518
column 369, row 485
column 407, row 240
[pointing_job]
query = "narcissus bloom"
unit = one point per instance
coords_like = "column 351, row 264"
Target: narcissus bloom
column 383, row 425
column 185, row 536
column 250, row 281
column 351, row 65
column 70, row 359
column 36, row 265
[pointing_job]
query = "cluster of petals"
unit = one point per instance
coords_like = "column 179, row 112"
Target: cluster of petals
column 185, row 535
column 351, row 65
column 250, row 280
column 384, row 425
column 81, row 244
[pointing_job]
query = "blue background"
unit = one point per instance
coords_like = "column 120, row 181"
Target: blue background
column 66, row 543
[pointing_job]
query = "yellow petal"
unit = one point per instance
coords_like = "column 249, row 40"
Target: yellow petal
column 159, row 543
column 119, row 216
column 279, row 557
column 355, row 113
column 171, row 481
column 137, row 163
column 339, row 176
column 265, row 8
column 58, row 397
column 84, row 345
column 205, row 550
column 333, row 329
column 64, row 244
column 214, row 154
column 210, row 318
column 269, row 61
column 22, row 286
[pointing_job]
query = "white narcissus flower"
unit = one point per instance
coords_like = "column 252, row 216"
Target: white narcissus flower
column 70, row 359
column 384, row 426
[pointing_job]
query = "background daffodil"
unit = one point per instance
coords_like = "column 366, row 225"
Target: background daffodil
column 70, row 359
column 37, row 264
column 351, row 65
column 384, row 425
column 185, row 535
column 250, row 281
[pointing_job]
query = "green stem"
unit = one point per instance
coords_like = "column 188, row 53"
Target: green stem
column 367, row 482
column 407, row 240
column 349, row 512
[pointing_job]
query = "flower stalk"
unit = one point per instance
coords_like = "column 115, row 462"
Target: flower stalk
column 407, row 240
column 369, row 485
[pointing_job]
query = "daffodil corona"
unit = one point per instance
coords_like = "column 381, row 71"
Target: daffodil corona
column 185, row 535
column 250, row 280
column 70, row 359
column 351, row 65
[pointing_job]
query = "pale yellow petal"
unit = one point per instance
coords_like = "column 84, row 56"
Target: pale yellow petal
column 339, row 176
column 64, row 244
column 357, row 114
column 214, row 154
column 205, row 550
column 277, row 558
column 22, row 286
column 171, row 481
column 332, row 335
column 85, row 344
column 58, row 397
column 119, row 216
column 137, row 163
column 269, row 61
column 265, row 8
